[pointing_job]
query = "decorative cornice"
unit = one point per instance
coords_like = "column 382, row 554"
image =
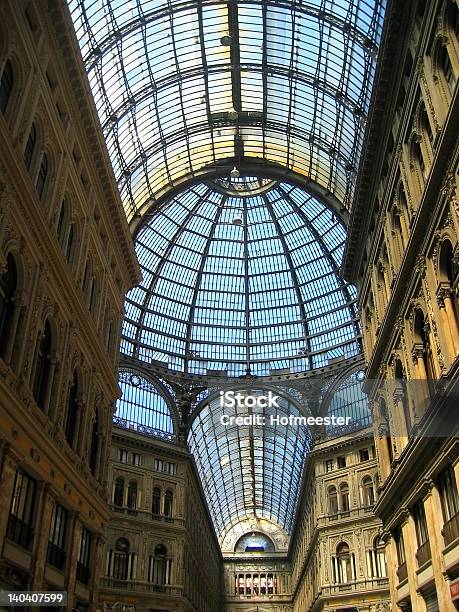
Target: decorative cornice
column 396, row 23
column 65, row 37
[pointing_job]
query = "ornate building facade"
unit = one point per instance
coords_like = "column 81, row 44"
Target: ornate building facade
column 406, row 268
column 66, row 260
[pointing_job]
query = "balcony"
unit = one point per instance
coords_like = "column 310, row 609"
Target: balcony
column 19, row 532
column 353, row 513
column 371, row 584
column 139, row 586
column 56, row 556
column 451, row 529
column 145, row 516
column 423, row 554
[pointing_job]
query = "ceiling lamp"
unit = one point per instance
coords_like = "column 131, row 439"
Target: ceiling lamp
column 235, row 173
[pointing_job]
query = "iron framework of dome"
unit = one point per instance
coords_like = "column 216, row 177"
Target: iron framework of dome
column 244, row 284
column 182, row 87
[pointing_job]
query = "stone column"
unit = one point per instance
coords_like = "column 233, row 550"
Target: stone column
column 448, row 317
column 72, row 558
column 392, row 564
column 400, row 418
column 96, row 569
column 422, row 392
column 7, row 478
column 434, row 519
column 42, row 537
column 384, row 461
column 410, row 543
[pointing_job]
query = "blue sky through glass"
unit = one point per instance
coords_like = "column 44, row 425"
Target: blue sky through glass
column 164, row 86
column 231, row 283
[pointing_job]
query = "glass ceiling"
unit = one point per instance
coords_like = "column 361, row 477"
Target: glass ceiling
column 241, row 283
column 183, row 86
column 252, row 471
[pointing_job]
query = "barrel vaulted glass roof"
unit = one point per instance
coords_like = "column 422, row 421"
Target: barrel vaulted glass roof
column 251, row 471
column 183, row 86
column 241, row 282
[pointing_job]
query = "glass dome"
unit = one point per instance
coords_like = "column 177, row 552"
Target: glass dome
column 241, row 283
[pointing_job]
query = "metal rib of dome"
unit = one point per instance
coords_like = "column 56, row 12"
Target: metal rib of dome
column 241, row 283
column 181, row 86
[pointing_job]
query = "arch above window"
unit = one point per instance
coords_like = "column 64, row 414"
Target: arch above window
column 254, row 542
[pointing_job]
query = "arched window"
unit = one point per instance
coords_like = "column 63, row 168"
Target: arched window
column 71, row 415
column 42, row 174
column 377, row 559
column 142, row 407
column 118, row 493
column 156, row 502
column 168, row 501
column 254, row 542
column 332, row 501
column 368, row 492
column 30, row 146
column 446, row 67
column 121, row 559
column 6, row 86
column 344, row 497
column 94, row 450
column 159, row 571
column 132, row 495
column 42, row 367
column 8, row 285
column 344, row 564
column 446, row 262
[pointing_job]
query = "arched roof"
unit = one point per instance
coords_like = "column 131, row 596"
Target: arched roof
column 250, row 470
column 184, row 86
column 241, row 274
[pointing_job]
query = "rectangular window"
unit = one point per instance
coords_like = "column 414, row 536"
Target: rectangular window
column 341, row 462
column 329, row 465
column 136, row 458
column 420, row 523
column 84, row 558
column 400, row 545
column 122, row 455
column 448, row 493
column 364, row 454
column 22, row 511
column 165, row 466
column 58, row 537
